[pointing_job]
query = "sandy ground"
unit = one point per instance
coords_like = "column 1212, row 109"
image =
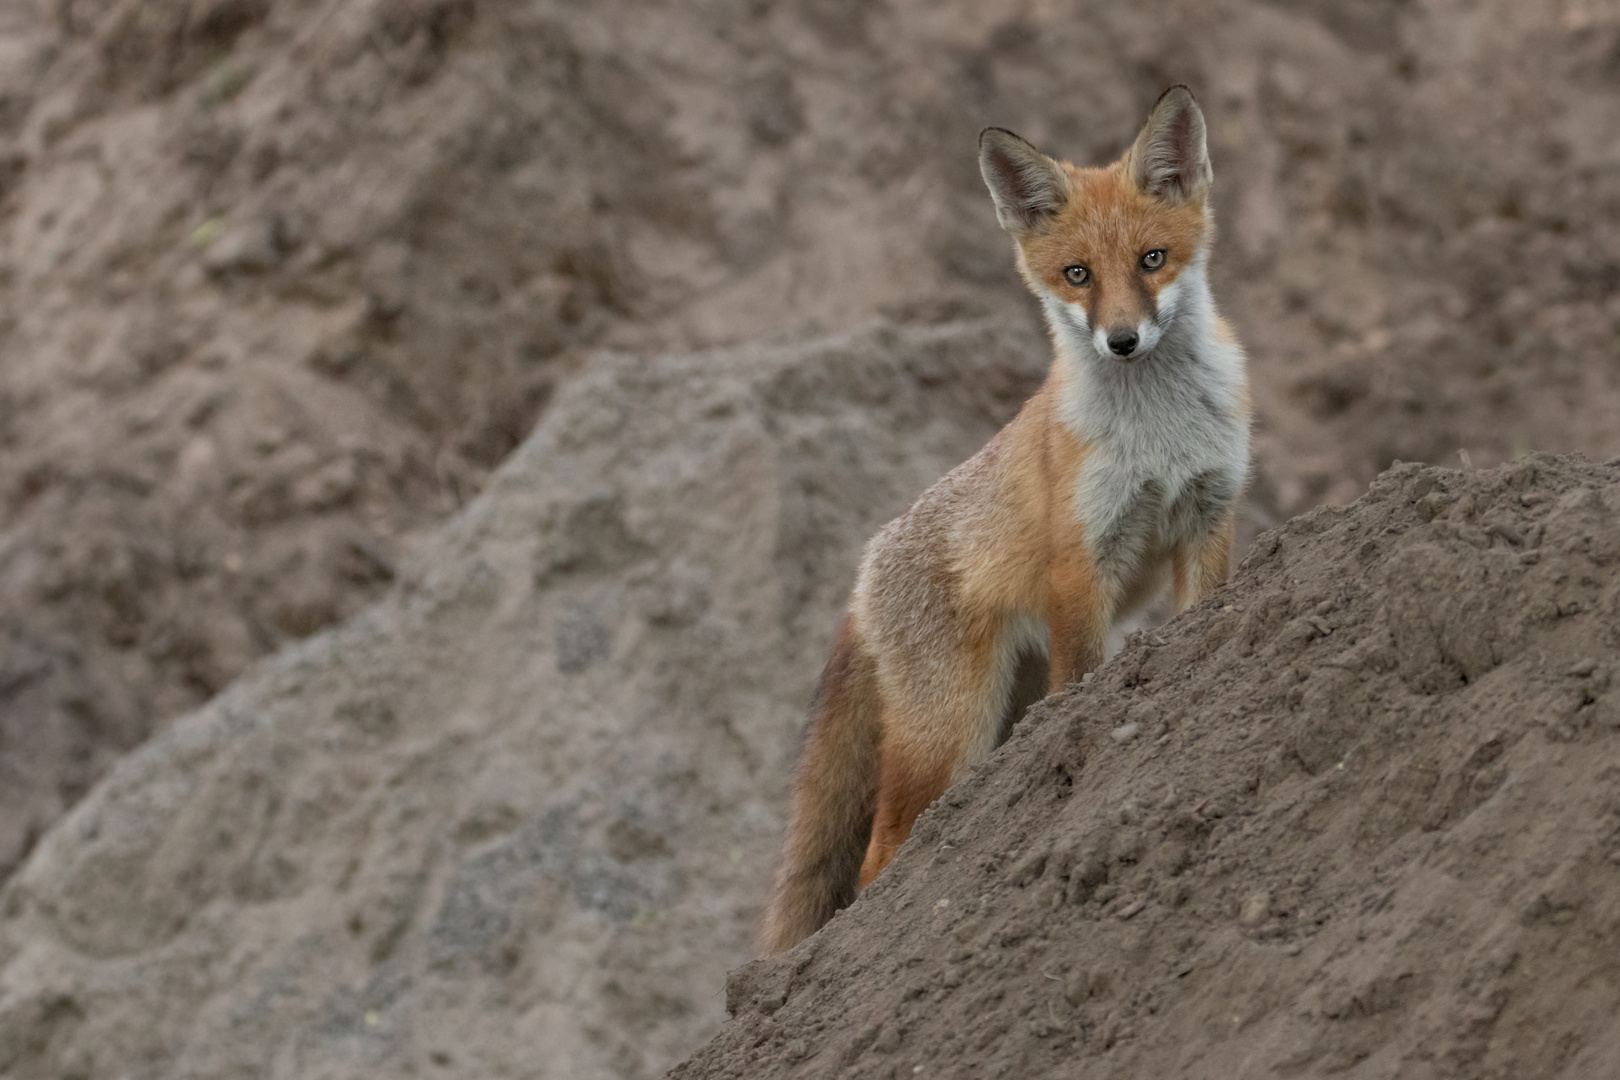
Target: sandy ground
column 1355, row 816
column 283, row 281
column 518, row 818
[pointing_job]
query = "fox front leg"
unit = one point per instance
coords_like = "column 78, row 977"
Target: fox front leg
column 1200, row 567
column 1077, row 622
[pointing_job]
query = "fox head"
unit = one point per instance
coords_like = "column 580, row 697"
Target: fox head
column 1115, row 253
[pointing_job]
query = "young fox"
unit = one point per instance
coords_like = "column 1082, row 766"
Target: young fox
column 1127, row 460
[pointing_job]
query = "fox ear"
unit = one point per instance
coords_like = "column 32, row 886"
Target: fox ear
column 1170, row 158
column 1028, row 187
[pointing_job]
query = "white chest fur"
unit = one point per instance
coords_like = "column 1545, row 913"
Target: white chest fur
column 1167, row 437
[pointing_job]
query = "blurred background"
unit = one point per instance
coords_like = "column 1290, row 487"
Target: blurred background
column 283, row 281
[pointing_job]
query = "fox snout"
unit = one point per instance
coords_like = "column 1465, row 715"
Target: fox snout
column 1122, row 343
column 1126, row 342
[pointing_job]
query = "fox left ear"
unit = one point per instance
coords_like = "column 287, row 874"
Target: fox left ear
column 1170, row 158
column 1028, row 188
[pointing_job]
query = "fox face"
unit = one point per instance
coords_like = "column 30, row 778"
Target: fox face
column 1108, row 264
column 1106, row 250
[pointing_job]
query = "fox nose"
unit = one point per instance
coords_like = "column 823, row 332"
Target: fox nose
column 1123, row 342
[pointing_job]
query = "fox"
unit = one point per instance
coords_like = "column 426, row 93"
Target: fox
column 1003, row 580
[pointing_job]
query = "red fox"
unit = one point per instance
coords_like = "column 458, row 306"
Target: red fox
column 1128, row 460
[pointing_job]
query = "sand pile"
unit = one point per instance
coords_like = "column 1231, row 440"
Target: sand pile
column 518, row 818
column 282, row 280
column 1356, row 815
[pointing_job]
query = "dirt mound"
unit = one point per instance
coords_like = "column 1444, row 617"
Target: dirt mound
column 519, row 817
column 281, row 280
column 1357, row 815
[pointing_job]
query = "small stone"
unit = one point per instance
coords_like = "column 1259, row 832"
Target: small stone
column 1029, row 868
column 1130, row 910
column 331, row 486
column 1255, row 909
column 1096, row 984
column 246, row 249
column 1126, row 732
column 1583, row 667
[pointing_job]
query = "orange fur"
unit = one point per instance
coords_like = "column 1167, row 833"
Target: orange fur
column 833, row 800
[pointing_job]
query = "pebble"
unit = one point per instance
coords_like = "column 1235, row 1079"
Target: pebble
column 1126, row 732
column 1255, row 908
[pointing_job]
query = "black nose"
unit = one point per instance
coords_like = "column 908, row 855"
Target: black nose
column 1123, row 342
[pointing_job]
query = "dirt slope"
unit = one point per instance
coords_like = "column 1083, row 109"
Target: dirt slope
column 281, row 280
column 1355, row 816
column 518, row 818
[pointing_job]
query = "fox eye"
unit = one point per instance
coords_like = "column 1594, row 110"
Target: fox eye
column 1153, row 259
column 1076, row 275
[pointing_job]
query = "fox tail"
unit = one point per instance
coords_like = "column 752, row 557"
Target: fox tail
column 834, row 798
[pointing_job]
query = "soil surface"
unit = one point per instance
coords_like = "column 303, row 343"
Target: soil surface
column 284, row 282
column 517, row 819
column 281, row 280
column 1355, row 815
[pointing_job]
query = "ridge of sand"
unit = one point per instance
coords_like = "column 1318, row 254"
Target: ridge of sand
column 1356, row 815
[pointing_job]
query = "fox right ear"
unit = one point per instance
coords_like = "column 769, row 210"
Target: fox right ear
column 1028, row 187
column 1170, row 158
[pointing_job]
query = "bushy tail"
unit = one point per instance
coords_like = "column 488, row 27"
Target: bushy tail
column 834, row 797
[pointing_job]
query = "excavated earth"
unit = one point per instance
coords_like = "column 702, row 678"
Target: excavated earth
column 282, row 280
column 518, row 818
column 481, row 745
column 1356, row 815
